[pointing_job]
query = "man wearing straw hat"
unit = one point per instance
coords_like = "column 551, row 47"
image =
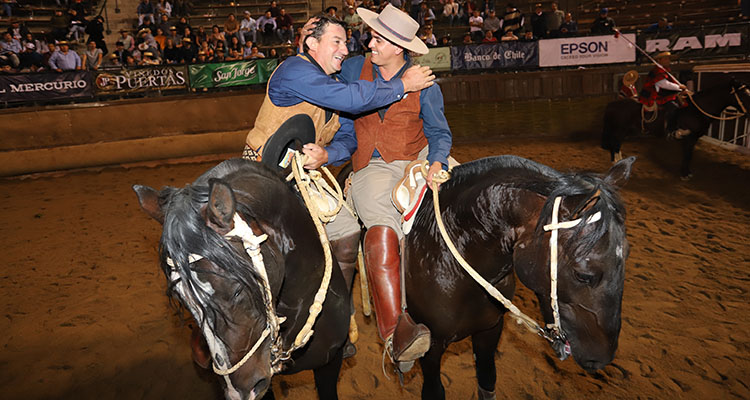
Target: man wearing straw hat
column 662, row 89
column 628, row 90
column 387, row 140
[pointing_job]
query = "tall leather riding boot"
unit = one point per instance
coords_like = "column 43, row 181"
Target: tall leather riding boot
column 345, row 250
column 405, row 339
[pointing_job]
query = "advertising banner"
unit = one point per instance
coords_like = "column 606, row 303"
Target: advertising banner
column 586, row 50
column 704, row 42
column 161, row 77
column 236, row 73
column 495, row 56
column 439, row 59
column 45, row 86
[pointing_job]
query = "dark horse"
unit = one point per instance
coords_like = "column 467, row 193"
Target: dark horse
column 213, row 276
column 494, row 210
column 623, row 116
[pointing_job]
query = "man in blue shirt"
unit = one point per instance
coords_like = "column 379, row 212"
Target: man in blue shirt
column 387, row 140
column 64, row 59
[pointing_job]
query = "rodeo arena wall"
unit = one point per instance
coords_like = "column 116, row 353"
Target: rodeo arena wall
column 76, row 119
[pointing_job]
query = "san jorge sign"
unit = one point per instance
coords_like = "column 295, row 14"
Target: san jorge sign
column 238, row 73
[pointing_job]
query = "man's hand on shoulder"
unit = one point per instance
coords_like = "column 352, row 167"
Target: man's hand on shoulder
column 417, row 78
column 316, row 156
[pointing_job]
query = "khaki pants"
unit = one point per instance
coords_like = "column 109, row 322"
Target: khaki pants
column 344, row 225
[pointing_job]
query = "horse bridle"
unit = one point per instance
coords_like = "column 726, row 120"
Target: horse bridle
column 251, row 244
column 553, row 333
column 739, row 103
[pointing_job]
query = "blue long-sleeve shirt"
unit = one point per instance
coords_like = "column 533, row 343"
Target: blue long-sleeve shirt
column 436, row 129
column 65, row 61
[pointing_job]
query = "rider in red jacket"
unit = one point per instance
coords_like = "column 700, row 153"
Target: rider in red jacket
column 661, row 88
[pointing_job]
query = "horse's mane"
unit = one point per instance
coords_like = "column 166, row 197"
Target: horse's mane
column 515, row 172
column 185, row 232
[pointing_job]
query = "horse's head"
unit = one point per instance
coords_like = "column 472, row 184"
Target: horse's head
column 212, row 275
column 742, row 94
column 590, row 264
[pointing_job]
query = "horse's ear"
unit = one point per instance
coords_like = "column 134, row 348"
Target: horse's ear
column 148, row 198
column 221, row 206
column 620, row 172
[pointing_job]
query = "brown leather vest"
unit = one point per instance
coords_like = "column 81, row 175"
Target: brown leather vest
column 271, row 116
column 399, row 136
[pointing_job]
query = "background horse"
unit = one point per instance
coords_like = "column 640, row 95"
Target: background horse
column 215, row 279
column 494, row 210
column 623, row 116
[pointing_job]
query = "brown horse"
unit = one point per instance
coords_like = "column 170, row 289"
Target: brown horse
column 495, row 210
column 241, row 253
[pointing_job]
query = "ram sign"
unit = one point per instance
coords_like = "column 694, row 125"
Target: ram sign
column 586, row 50
column 705, row 42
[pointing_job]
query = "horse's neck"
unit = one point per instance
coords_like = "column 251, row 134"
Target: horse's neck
column 713, row 102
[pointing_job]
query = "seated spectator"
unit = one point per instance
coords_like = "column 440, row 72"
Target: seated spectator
column 147, row 25
column 80, row 7
column 512, row 20
column 234, row 55
column 467, row 38
column 476, row 22
column 77, row 26
column 182, row 8
column 163, row 8
column 486, row 7
column 64, row 59
column 160, row 38
column 10, row 48
column 352, row 44
column 40, row 45
column 267, row 27
column 450, row 12
column 284, row 27
column 509, row 36
column 248, row 28
column 216, row 36
column 188, row 33
column 182, row 24
column 425, row 16
column 354, row 22
column 331, row 11
column 274, row 9
column 569, row 27
column 272, row 53
column 92, row 57
column 662, row 26
column 30, row 59
column 428, row 37
column 17, row 29
column 7, row 7
column 51, row 49
column 603, row 24
column 231, row 27
column 145, row 36
column 130, row 62
column 528, row 36
column 489, row 37
column 176, row 37
column 288, row 52
column 95, row 30
column 120, row 55
column 59, row 25
column 149, row 58
column 164, row 23
column 538, row 22
column 492, row 24
column 202, row 57
column 445, row 41
column 187, row 51
column 234, row 44
column 247, row 49
column 127, row 40
column 145, row 11
column 364, row 40
column 255, row 54
column 200, row 34
column 220, row 48
column 171, row 52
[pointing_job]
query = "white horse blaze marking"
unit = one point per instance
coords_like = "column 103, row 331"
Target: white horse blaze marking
column 618, row 250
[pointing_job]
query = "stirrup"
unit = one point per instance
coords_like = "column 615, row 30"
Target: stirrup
column 679, row 133
column 401, row 367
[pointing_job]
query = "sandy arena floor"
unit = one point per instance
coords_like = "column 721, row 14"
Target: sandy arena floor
column 86, row 316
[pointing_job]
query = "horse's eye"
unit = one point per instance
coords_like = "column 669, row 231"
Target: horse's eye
column 584, row 278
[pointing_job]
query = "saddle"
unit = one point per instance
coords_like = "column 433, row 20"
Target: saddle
column 409, row 192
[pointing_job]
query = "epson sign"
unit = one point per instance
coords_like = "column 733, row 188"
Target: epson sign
column 692, row 42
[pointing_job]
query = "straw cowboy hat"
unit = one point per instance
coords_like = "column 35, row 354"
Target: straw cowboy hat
column 663, row 54
column 630, row 77
column 396, row 26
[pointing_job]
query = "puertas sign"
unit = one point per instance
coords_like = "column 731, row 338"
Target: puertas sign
column 495, row 55
column 45, row 86
column 238, row 73
column 725, row 40
column 586, row 50
column 163, row 77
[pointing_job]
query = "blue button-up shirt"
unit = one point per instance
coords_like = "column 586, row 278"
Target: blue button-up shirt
column 436, row 129
column 65, row 62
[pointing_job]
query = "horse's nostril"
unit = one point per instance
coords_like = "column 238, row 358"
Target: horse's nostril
column 260, row 388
